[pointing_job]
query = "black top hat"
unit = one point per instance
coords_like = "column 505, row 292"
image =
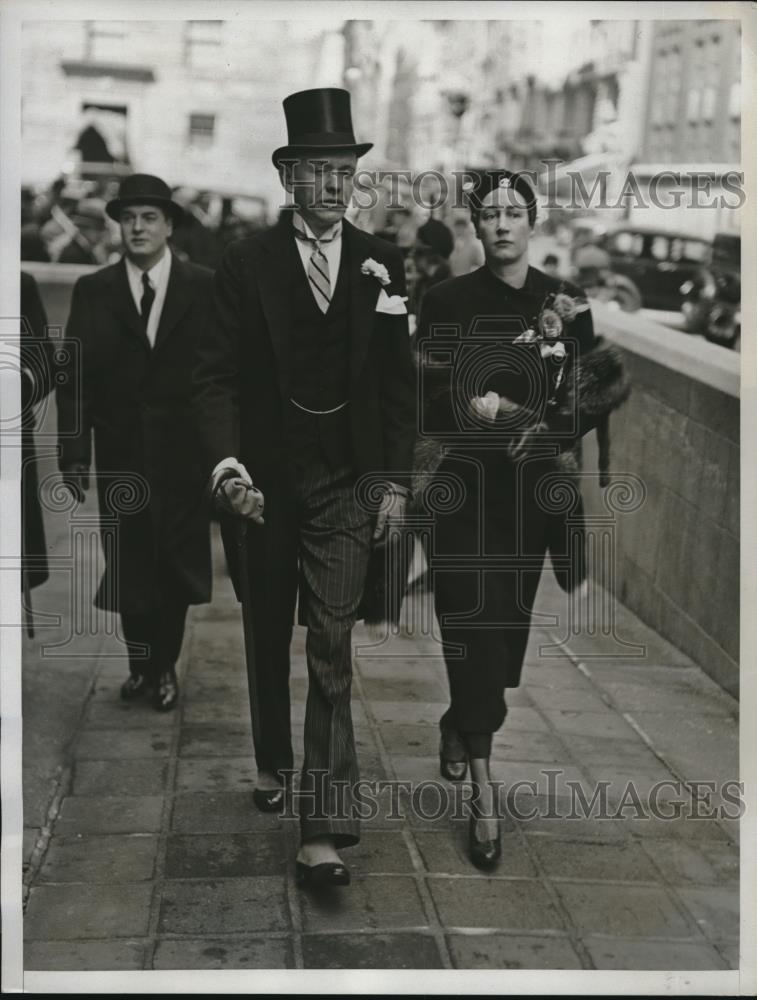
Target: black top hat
column 144, row 189
column 319, row 119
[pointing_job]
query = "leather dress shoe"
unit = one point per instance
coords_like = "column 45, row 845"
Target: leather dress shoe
column 453, row 759
column 269, row 800
column 167, row 691
column 135, row 686
column 483, row 853
column 321, row 876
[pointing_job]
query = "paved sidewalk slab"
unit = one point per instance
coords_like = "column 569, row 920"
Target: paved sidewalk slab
column 136, row 777
column 236, row 855
column 638, row 911
column 514, row 904
column 238, row 905
column 73, row 912
column 374, row 951
column 109, row 814
column 105, row 860
column 73, row 956
column 374, row 902
column 224, row 953
column 512, row 951
column 624, row 953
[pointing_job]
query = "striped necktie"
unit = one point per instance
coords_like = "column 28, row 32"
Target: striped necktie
column 318, row 265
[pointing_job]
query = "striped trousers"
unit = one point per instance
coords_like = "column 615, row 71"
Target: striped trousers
column 316, row 539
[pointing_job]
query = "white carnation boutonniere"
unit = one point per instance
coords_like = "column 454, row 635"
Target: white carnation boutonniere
column 373, row 269
column 394, row 305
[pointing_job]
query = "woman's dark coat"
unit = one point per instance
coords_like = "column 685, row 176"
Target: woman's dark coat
column 507, row 479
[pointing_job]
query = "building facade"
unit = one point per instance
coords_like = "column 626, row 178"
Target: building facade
column 196, row 102
column 199, row 102
column 692, row 122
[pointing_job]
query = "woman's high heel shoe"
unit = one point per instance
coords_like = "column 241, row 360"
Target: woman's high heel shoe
column 483, row 853
column 453, row 759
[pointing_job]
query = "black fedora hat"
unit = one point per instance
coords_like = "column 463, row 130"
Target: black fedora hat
column 319, row 119
column 144, row 189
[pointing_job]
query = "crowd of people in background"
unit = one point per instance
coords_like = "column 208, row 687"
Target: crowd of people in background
column 66, row 223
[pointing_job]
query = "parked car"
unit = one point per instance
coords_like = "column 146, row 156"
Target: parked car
column 657, row 262
column 591, row 267
column 712, row 298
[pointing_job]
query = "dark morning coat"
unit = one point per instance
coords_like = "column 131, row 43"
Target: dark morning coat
column 243, row 375
column 137, row 400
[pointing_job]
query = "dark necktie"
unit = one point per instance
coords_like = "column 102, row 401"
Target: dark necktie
column 148, row 297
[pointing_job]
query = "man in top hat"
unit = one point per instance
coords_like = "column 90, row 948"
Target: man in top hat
column 304, row 384
column 133, row 329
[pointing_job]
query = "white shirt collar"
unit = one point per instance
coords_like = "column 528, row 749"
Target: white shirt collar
column 159, row 276
column 157, row 272
column 329, row 234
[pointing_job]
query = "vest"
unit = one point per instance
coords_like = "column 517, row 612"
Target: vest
column 320, row 367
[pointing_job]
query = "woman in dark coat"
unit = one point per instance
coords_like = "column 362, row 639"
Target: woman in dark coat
column 496, row 351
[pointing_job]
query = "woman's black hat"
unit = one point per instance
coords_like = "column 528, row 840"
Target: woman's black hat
column 483, row 182
column 144, row 189
column 319, row 119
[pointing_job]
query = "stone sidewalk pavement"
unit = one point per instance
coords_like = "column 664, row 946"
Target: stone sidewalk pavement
column 144, row 849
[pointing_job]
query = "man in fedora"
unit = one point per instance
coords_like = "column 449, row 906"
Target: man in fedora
column 304, row 384
column 133, row 329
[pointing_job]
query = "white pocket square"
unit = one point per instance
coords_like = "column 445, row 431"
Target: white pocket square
column 392, row 304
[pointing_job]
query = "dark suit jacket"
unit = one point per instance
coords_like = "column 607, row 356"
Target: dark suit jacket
column 137, row 399
column 243, row 374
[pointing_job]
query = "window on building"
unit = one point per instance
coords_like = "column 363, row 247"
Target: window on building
column 674, row 79
column 671, row 145
column 709, row 102
column 655, row 141
column 201, row 130
column 105, row 41
column 734, row 122
column 103, row 133
column 734, row 141
column 692, row 141
column 667, row 92
column 693, row 103
column 202, row 44
column 734, row 101
column 659, row 103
